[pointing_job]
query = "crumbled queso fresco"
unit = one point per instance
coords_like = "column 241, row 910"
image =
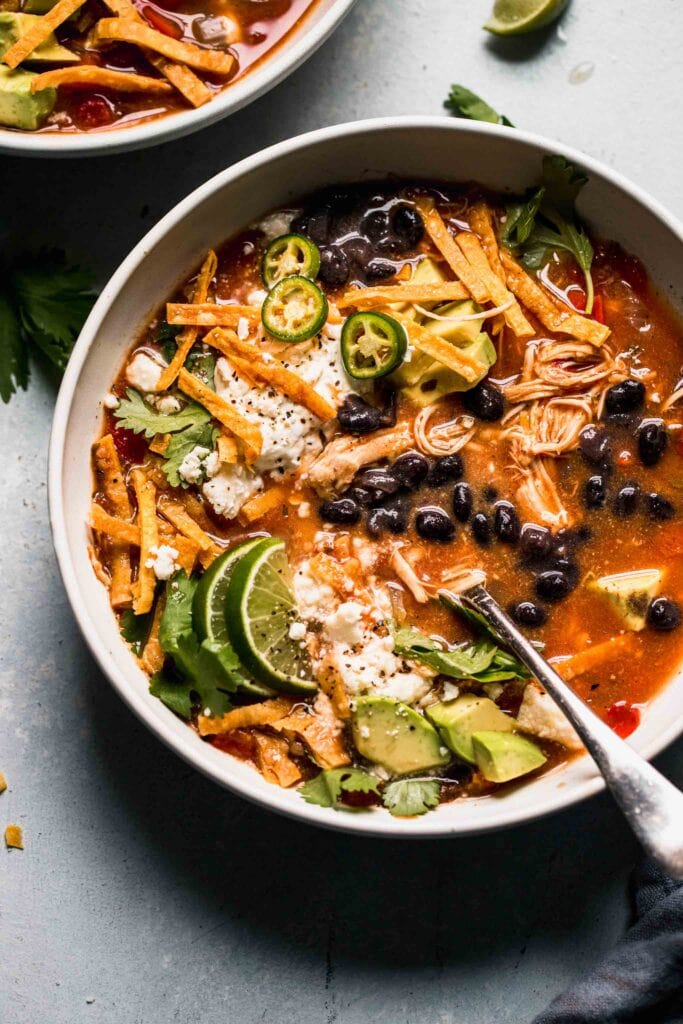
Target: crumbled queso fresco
column 143, row 371
column 162, row 561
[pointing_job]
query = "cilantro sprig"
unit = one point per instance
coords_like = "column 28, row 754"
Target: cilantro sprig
column 482, row 661
column 404, row 798
column 326, row 789
column 408, row 798
column 135, row 414
column 43, row 306
column 462, row 102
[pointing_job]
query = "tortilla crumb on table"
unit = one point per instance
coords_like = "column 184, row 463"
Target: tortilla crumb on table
column 14, row 837
column 3, row 783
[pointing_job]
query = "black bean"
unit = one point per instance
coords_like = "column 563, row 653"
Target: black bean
column 393, row 519
column 434, row 524
column 595, row 492
column 357, row 249
column 506, row 523
column 485, row 401
column 356, row 416
column 526, row 613
column 445, row 468
column 536, row 541
column 377, row 478
column 462, row 501
column 660, row 507
column 652, row 441
column 626, row 396
column 595, row 445
column 482, row 530
column 341, row 510
column 362, row 496
column 318, row 225
column 375, row 225
column 408, row 225
column 626, row 500
column 663, row 614
column 379, row 270
column 334, row 266
column 552, row 585
column 411, row 469
column 567, row 568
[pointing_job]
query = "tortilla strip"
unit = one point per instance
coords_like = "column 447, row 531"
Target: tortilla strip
column 228, row 452
column 185, row 524
column 152, row 657
column 243, row 429
column 188, row 337
column 261, row 504
column 456, row 359
column 265, row 713
column 271, row 371
column 102, row 522
column 472, row 249
column 144, row 587
column 369, row 298
column 89, row 75
column 532, row 295
column 445, row 243
column 593, row 656
column 321, row 731
column 110, row 476
column 14, row 837
column 274, row 762
column 125, row 30
column 160, row 443
column 481, row 222
column 39, row 32
column 180, row 76
column 209, row 314
column 188, row 551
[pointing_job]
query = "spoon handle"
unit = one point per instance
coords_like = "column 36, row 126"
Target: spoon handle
column 651, row 804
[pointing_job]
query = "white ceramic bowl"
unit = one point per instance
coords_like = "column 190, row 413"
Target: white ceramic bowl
column 304, row 39
column 413, row 147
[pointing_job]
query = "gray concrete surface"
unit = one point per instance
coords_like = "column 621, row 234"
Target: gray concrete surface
column 146, row 895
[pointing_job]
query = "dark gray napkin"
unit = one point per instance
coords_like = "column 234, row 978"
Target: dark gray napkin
column 641, row 980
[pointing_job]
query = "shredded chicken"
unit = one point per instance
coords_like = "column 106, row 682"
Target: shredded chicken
column 336, row 466
column 407, row 575
column 551, row 427
column 552, row 368
column 442, row 438
column 672, row 399
column 459, row 579
column 539, row 494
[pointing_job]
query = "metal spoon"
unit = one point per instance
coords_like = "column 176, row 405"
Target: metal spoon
column 652, row 806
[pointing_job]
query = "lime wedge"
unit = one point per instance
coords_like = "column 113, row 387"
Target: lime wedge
column 515, row 17
column 208, row 606
column 260, row 610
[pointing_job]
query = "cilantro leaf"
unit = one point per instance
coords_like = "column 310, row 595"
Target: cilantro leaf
column 135, row 628
column 325, row 789
column 563, row 182
column 175, row 694
column 14, row 371
column 462, row 102
column 202, row 365
column 521, row 219
column 482, row 661
column 201, row 435
column 136, row 415
column 407, row 798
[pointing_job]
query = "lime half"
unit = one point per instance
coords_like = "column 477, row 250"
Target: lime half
column 260, row 610
column 515, row 17
column 208, row 606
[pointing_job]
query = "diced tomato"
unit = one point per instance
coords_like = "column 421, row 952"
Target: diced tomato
column 598, row 309
column 161, row 22
column 92, row 112
column 576, row 296
column 131, row 447
column 623, row 718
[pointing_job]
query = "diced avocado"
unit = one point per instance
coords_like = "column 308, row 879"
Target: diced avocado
column 630, row 593
column 38, row 6
column 13, row 26
column 460, row 334
column 19, row 107
column 395, row 736
column 502, row 756
column 427, row 271
column 456, row 721
column 435, row 381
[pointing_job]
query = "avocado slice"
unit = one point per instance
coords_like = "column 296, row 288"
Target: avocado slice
column 502, row 756
column 456, row 721
column 433, row 381
column 460, row 334
column 395, row 736
column 630, row 593
column 13, row 26
column 427, row 271
column 19, row 107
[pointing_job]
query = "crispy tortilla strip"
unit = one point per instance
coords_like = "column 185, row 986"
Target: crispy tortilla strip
column 160, row 443
column 89, row 75
column 243, row 429
column 537, row 301
column 321, row 731
column 445, row 243
column 39, row 32
column 265, row 713
column 472, row 249
column 188, row 337
column 271, row 371
column 209, row 314
column 333, row 686
column 444, row 352
column 186, row 525
column 274, row 762
column 125, row 30
column 331, row 572
column 188, row 551
column 118, row 529
column 228, row 452
column 152, row 657
column 110, row 477
column 595, row 655
column 369, row 298
column 14, row 837
column 481, row 222
column 261, row 504
column 144, row 587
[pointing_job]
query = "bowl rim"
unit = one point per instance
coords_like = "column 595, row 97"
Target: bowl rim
column 378, row 825
column 268, row 72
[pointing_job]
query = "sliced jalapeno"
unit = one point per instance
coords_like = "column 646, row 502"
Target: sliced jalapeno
column 287, row 256
column 372, row 345
column 294, row 309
